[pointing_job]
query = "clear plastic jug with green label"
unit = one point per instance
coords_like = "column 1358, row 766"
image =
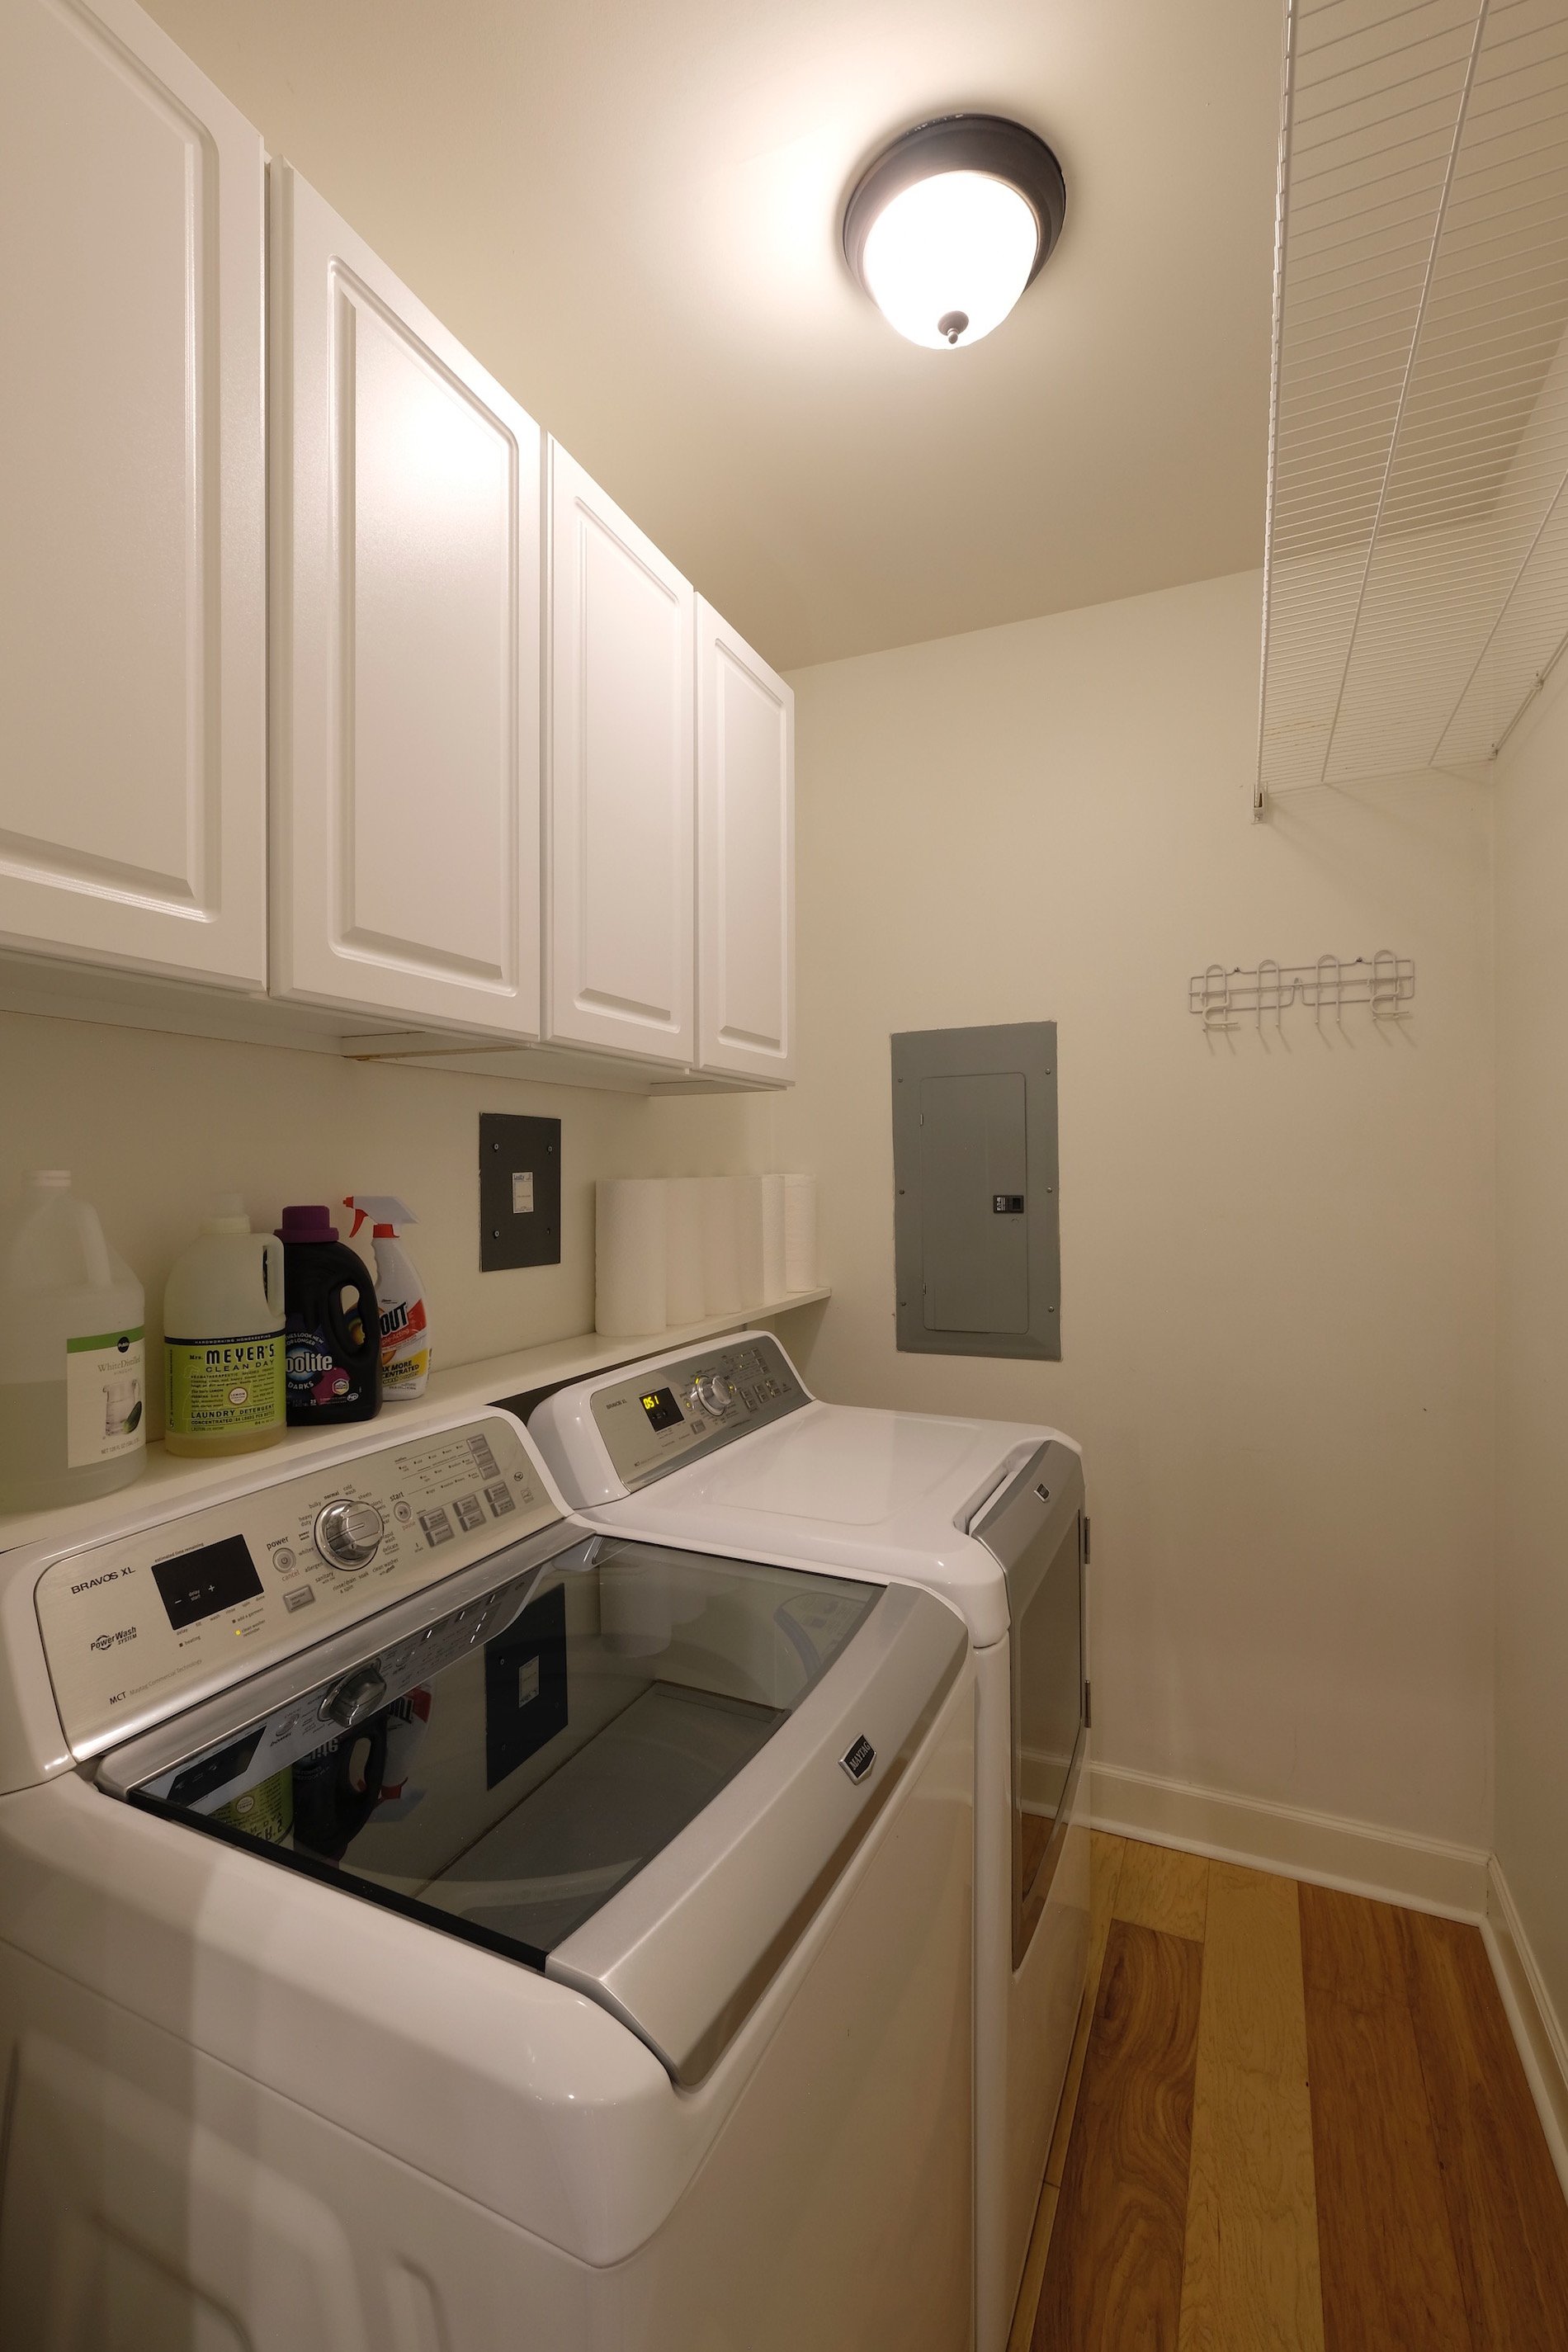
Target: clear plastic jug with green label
column 223, row 1354
column 73, row 1402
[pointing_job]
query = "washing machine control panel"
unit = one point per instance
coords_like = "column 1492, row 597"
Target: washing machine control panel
column 134, row 1627
column 667, row 1418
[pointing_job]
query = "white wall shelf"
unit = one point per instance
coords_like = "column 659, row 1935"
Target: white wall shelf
column 171, row 1482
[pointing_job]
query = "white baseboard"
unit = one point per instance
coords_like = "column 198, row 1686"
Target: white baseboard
column 1537, row 2029
column 1418, row 1873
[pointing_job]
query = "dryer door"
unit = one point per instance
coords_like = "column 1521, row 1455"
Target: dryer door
column 639, row 1769
column 1035, row 1530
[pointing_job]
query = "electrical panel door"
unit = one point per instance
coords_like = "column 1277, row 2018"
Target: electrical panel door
column 976, row 1181
column 973, row 1159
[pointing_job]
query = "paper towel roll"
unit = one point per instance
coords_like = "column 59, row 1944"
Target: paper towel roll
column 684, row 1292
column 749, row 1235
column 773, row 1283
column 630, row 1255
column 721, row 1247
column 800, row 1233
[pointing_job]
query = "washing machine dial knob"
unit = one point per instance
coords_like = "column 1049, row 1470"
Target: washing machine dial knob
column 350, row 1533
column 713, row 1393
column 357, row 1696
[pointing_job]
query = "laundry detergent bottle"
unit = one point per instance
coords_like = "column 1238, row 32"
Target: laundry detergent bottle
column 73, row 1420
column 332, row 1323
column 404, row 1318
column 223, row 1338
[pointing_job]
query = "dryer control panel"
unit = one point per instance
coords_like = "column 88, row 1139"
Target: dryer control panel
column 138, row 1625
column 655, row 1423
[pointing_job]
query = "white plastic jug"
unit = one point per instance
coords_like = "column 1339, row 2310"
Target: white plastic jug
column 73, row 1397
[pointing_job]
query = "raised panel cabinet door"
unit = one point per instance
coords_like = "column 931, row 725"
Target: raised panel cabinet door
column 621, row 832
column 132, row 562
column 405, row 647
column 745, row 857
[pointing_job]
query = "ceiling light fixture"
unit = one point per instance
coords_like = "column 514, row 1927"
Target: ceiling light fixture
column 950, row 223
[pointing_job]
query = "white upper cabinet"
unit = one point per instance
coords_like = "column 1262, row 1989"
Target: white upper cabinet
column 133, row 678
column 405, row 647
column 621, row 829
column 745, row 857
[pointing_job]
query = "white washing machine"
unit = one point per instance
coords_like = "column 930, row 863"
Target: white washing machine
column 427, row 1922
column 725, row 1446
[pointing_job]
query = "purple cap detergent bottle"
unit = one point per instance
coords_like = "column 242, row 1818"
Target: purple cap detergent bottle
column 332, row 1323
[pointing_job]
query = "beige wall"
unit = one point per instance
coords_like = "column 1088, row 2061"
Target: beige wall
column 1532, row 1330
column 1276, row 1259
column 150, row 1125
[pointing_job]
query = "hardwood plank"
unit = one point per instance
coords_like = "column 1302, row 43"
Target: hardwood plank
column 1113, row 2273
column 1029, row 2286
column 1106, row 1855
column 1036, row 1834
column 1055, row 2162
column 1390, row 2276
column 1251, row 2280
column 1506, row 2210
column 1253, row 1997
column 1354, row 1956
column 1105, row 1870
column 1159, row 1887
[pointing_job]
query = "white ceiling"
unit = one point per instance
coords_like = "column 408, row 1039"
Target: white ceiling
column 630, row 209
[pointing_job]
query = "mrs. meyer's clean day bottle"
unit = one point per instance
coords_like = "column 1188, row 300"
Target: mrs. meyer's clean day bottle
column 73, row 1420
column 223, row 1338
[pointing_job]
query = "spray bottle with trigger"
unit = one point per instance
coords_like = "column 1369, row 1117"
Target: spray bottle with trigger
column 404, row 1320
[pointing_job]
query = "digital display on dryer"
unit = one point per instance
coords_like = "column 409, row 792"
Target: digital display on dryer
column 197, row 1584
column 662, row 1410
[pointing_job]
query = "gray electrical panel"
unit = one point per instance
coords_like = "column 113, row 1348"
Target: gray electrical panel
column 976, row 1239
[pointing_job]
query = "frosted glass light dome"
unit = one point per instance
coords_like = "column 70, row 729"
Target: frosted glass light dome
column 950, row 223
column 945, row 261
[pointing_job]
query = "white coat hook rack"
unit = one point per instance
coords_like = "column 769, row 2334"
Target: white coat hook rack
column 1330, row 974
column 1213, row 998
column 1223, row 997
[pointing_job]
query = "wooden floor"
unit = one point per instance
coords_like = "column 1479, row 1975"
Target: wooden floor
column 1295, row 2121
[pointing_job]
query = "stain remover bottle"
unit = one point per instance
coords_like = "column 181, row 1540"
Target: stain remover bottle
column 404, row 1318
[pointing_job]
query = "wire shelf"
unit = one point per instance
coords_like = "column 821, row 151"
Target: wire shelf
column 1416, row 574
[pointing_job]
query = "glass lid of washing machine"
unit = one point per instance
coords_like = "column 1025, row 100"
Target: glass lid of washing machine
column 506, row 1771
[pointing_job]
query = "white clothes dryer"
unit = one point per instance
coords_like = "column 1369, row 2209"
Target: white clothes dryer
column 724, row 1445
column 427, row 1919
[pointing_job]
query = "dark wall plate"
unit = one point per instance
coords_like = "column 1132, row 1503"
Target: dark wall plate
column 519, row 1190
